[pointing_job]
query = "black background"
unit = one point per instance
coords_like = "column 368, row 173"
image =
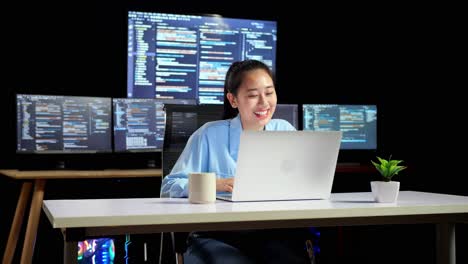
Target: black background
column 407, row 59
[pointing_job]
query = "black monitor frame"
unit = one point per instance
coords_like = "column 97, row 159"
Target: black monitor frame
column 34, row 160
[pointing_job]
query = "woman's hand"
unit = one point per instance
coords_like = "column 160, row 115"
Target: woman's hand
column 224, row 185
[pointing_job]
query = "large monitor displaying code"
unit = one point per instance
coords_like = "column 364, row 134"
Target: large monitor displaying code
column 139, row 124
column 357, row 122
column 63, row 124
column 183, row 59
column 288, row 112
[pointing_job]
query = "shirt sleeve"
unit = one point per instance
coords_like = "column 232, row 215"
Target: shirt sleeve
column 193, row 159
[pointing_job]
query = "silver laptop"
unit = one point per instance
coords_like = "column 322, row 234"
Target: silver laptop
column 285, row 165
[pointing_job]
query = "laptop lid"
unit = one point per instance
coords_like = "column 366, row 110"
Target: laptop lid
column 286, row 165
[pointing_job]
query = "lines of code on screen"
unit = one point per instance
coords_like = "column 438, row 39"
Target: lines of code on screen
column 184, row 58
column 139, row 124
column 357, row 122
column 61, row 124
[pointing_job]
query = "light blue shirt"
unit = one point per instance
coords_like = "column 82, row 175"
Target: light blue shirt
column 212, row 148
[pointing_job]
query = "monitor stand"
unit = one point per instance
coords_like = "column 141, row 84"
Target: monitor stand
column 151, row 164
column 60, row 165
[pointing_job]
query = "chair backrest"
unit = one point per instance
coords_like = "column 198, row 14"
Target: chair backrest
column 181, row 122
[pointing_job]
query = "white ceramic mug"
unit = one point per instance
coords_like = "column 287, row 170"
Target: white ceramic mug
column 202, row 187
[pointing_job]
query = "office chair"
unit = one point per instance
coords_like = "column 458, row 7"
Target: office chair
column 181, row 122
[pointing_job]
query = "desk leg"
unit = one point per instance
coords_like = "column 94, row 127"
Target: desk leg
column 70, row 249
column 33, row 222
column 446, row 243
column 17, row 222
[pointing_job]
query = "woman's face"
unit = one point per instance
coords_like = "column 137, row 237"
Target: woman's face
column 256, row 100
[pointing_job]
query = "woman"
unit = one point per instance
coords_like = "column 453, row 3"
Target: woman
column 250, row 98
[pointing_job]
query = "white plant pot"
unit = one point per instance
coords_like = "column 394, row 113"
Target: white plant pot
column 385, row 192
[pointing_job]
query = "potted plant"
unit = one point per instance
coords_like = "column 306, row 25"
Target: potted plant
column 386, row 191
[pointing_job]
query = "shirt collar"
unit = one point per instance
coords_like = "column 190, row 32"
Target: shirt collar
column 236, row 124
column 235, row 129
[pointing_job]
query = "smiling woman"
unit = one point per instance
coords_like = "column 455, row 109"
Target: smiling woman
column 255, row 97
column 250, row 102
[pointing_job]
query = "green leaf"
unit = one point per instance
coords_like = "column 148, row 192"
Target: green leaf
column 377, row 166
column 383, row 161
column 395, row 169
column 399, row 168
column 394, row 162
column 388, row 168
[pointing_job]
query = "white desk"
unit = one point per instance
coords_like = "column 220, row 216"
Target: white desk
column 93, row 218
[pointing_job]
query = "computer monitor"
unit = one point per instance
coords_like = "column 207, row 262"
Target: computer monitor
column 48, row 124
column 139, row 125
column 288, row 112
column 357, row 122
column 183, row 59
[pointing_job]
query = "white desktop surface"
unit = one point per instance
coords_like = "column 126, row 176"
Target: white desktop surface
column 168, row 211
column 102, row 217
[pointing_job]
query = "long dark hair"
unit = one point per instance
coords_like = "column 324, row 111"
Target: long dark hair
column 234, row 77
